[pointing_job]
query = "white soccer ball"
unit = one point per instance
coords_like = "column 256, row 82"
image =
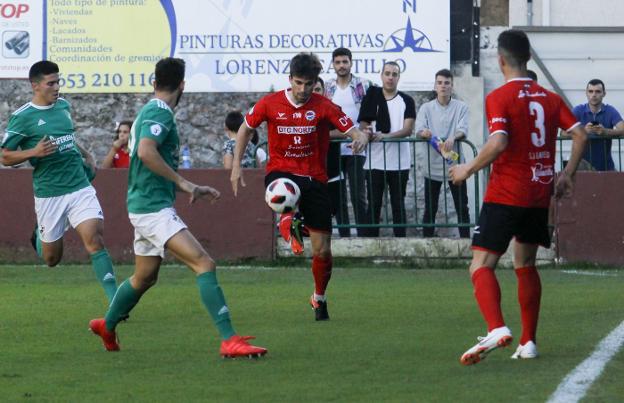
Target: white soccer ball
column 282, row 195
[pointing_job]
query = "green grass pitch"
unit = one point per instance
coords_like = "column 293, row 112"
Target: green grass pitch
column 394, row 335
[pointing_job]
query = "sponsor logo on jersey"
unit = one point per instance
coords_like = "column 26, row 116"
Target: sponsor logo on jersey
column 41, row 122
column 543, row 174
column 523, row 94
column 155, row 129
column 297, row 115
column 343, row 120
column 310, row 115
column 281, row 116
column 63, row 143
column 295, row 129
column 498, row 120
column 224, row 309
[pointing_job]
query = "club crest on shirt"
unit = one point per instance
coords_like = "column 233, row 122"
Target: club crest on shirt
column 155, row 129
column 310, row 115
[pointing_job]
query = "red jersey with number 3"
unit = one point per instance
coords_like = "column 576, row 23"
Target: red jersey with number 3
column 530, row 116
column 298, row 136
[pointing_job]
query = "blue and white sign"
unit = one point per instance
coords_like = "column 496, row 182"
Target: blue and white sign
column 246, row 45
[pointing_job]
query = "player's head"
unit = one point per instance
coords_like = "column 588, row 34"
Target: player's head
column 514, row 49
column 44, row 80
column 304, row 70
column 390, row 75
column 342, row 61
column 443, row 85
column 169, row 76
column 319, row 86
column 532, row 75
column 233, row 121
column 595, row 91
column 123, row 130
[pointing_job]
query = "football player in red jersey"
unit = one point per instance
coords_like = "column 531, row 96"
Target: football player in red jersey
column 523, row 121
column 298, row 139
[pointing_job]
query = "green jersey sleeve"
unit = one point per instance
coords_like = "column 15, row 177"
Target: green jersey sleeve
column 15, row 133
column 156, row 124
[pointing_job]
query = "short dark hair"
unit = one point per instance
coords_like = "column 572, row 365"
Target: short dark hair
column 122, row 123
column 532, row 75
column 234, row 120
column 169, row 73
column 596, row 81
column 391, row 63
column 305, row 65
column 40, row 69
column 444, row 73
column 342, row 52
column 514, row 46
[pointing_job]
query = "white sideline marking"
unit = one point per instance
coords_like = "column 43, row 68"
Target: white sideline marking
column 576, row 384
column 592, row 273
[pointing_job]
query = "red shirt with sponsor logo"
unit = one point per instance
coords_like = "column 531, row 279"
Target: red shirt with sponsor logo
column 523, row 174
column 298, row 136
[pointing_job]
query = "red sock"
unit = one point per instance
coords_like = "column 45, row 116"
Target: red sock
column 321, row 270
column 488, row 295
column 529, row 295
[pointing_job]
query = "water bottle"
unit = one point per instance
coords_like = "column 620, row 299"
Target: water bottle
column 186, row 157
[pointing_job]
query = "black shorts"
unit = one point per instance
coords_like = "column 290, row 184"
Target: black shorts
column 314, row 203
column 499, row 223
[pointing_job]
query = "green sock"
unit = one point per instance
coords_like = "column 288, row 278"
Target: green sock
column 125, row 299
column 214, row 301
column 103, row 267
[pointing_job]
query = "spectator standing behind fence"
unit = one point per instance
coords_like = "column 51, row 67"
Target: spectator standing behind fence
column 118, row 156
column 601, row 121
column 388, row 114
column 335, row 182
column 348, row 91
column 252, row 157
column 447, row 119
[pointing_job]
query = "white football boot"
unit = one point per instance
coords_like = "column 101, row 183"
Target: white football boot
column 499, row 337
column 528, row 350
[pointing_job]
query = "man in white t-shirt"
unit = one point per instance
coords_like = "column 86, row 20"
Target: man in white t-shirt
column 347, row 91
column 389, row 114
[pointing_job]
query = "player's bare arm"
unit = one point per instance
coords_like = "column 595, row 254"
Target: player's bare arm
column 149, row 155
column 360, row 139
column 44, row 148
column 243, row 136
column 495, row 145
column 407, row 130
column 565, row 184
column 336, row 134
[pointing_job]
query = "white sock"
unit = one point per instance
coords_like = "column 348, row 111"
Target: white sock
column 319, row 297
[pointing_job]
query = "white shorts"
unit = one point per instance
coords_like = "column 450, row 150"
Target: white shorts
column 153, row 230
column 56, row 214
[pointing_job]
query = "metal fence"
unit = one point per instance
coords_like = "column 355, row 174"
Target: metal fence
column 407, row 218
column 601, row 153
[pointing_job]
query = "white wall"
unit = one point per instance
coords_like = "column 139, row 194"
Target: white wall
column 582, row 13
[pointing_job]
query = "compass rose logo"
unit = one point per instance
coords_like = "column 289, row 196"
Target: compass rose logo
column 408, row 37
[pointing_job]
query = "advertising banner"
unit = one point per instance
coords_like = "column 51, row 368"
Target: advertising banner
column 229, row 46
